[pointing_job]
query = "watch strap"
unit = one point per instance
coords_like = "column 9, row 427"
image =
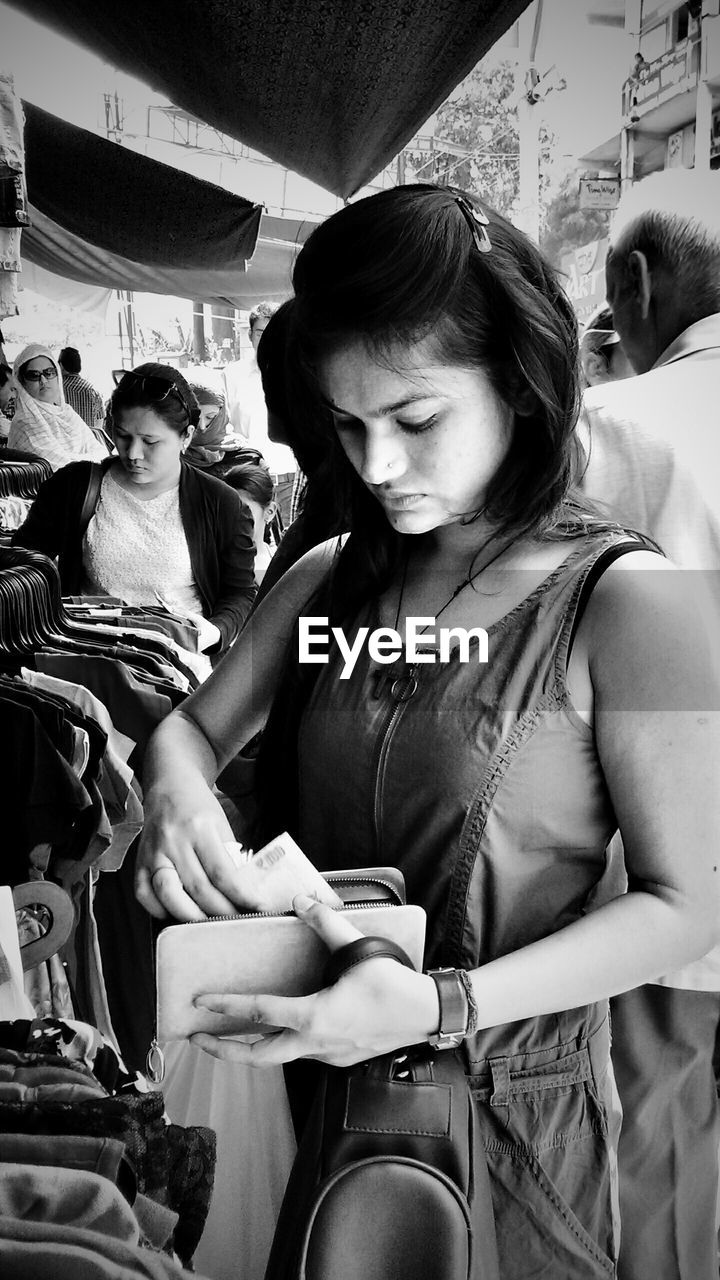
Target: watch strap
column 454, row 1008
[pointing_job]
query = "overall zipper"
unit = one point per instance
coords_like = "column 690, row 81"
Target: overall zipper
column 402, row 689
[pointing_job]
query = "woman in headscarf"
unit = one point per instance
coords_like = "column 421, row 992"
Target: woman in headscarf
column 206, row 447
column 43, row 423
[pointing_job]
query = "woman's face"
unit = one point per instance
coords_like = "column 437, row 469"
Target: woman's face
column 207, row 413
column 426, row 438
column 148, row 448
column 46, row 386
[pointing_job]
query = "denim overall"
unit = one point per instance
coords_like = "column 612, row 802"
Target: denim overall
column 482, row 784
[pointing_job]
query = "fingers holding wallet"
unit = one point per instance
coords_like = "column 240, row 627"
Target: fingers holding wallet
column 184, row 865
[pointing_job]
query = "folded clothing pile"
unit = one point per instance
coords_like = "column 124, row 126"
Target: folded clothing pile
column 90, row 1171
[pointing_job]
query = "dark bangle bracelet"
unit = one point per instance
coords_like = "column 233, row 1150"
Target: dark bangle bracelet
column 354, row 953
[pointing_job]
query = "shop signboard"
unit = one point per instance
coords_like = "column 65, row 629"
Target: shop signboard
column 599, row 193
column 583, row 272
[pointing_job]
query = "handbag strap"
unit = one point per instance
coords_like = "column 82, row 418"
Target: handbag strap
column 92, row 495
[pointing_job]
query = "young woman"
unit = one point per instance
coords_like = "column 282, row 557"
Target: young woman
column 441, row 354
column 158, row 528
column 43, row 422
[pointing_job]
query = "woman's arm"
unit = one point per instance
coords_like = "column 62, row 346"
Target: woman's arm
column 185, row 829
column 649, row 645
column 236, row 563
column 650, row 635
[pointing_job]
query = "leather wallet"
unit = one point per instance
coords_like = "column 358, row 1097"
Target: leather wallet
column 275, row 954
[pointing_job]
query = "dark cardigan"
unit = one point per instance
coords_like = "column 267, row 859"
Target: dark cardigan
column 217, row 526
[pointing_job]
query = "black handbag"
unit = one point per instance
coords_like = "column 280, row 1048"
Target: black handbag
column 390, row 1181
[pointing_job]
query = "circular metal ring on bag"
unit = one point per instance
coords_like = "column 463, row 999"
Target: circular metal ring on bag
column 354, row 953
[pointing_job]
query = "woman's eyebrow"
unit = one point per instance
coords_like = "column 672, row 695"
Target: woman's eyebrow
column 383, row 410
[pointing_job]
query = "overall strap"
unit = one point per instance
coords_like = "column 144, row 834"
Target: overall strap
column 603, row 562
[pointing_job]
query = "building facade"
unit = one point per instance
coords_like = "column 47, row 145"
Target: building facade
column 671, row 97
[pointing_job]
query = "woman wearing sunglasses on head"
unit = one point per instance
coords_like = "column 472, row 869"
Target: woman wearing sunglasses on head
column 437, row 351
column 154, row 529
column 43, row 423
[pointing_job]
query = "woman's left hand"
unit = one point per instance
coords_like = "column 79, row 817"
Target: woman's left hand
column 208, row 633
column 376, row 1007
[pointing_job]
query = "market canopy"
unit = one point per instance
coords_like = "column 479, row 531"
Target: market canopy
column 102, row 214
column 332, row 89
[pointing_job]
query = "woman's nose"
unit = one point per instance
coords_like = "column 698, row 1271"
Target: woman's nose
column 384, row 458
column 135, row 449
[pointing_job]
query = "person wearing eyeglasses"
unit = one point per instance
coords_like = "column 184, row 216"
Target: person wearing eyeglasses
column 44, row 423
column 147, row 526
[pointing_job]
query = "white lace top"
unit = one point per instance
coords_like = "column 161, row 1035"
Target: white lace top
column 136, row 547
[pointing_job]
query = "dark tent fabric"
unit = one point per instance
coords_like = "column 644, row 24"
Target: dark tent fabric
column 130, row 205
column 332, row 89
column 269, row 275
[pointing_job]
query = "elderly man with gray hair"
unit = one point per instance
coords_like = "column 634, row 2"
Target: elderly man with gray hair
column 653, row 449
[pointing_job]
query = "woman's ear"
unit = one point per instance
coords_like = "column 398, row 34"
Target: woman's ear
column 186, row 438
column 270, row 512
column 524, row 402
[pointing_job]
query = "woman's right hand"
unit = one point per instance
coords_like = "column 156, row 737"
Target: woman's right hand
column 184, row 868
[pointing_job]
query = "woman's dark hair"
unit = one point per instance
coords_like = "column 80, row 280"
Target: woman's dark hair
column 206, row 395
column 252, row 479
column 139, row 389
column 406, row 265
column 5, row 374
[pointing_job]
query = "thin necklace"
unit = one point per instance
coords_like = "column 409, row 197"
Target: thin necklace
column 466, row 582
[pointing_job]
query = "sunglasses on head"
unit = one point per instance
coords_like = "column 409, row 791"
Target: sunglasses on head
column 155, row 386
column 37, row 375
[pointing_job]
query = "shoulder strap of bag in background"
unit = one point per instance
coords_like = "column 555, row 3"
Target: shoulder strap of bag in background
column 92, row 496
column 390, row 1179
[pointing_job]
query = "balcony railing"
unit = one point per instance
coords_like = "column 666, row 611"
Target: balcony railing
column 677, row 70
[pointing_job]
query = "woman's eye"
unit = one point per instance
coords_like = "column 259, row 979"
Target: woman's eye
column 416, row 428
column 345, row 424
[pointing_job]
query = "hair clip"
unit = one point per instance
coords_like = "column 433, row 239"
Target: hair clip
column 477, row 221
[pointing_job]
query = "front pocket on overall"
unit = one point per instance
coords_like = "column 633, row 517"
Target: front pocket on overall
column 539, row 1235
column 548, row 1158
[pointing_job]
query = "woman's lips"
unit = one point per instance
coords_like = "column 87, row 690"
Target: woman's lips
column 401, row 501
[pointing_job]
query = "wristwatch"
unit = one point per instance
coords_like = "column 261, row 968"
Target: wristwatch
column 454, row 1009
